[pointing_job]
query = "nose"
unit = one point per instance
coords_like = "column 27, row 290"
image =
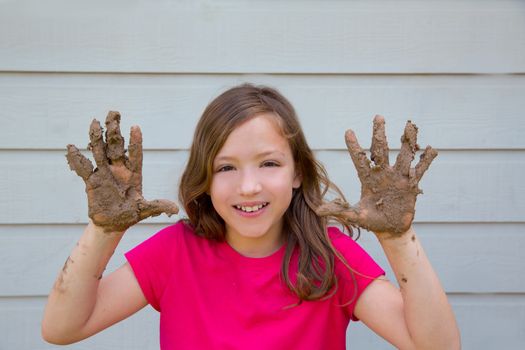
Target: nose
column 249, row 184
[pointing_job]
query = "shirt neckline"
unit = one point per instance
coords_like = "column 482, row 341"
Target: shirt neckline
column 275, row 257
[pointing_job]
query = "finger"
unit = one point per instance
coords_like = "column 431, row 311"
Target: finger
column 97, row 145
column 379, row 148
column 135, row 150
column 425, row 159
column 359, row 158
column 114, row 140
column 408, row 149
column 135, row 157
column 157, row 207
column 78, row 163
column 340, row 209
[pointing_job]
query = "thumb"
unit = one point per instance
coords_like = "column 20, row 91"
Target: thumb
column 341, row 210
column 157, row 207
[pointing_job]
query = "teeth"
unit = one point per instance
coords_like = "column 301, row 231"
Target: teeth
column 251, row 209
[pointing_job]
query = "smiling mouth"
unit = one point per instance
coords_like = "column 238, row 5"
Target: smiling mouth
column 251, row 209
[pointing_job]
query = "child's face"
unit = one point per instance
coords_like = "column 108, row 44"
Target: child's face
column 252, row 183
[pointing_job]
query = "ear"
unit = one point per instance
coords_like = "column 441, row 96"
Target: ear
column 297, row 181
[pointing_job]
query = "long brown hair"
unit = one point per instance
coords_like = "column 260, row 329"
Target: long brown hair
column 302, row 227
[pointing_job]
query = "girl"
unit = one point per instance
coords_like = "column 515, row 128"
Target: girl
column 254, row 266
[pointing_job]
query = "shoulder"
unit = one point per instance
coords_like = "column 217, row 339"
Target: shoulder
column 354, row 255
column 354, row 268
column 177, row 231
column 341, row 241
column 152, row 261
column 164, row 241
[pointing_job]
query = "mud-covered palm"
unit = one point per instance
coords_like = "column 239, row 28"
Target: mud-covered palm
column 114, row 187
column 388, row 193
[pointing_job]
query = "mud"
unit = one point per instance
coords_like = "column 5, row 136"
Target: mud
column 114, row 187
column 59, row 283
column 388, row 193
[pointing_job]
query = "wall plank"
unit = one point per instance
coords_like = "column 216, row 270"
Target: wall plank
column 474, row 313
column 454, row 112
column 460, row 186
column 485, row 322
column 462, row 254
column 288, row 37
column 38, row 187
column 22, row 316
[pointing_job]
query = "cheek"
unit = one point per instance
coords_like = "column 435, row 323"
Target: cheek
column 282, row 186
column 283, row 180
column 220, row 191
column 218, row 202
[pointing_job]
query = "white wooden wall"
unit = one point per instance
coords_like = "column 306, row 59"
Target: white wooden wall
column 454, row 67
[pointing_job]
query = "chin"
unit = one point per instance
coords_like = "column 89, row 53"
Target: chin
column 251, row 232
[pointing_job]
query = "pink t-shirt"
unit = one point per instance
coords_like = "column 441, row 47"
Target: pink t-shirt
column 211, row 297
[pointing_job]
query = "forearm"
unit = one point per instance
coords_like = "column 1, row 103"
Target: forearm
column 73, row 296
column 428, row 314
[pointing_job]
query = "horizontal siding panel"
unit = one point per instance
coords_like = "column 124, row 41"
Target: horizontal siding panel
column 460, row 253
column 463, row 255
column 461, row 186
column 491, row 321
column 486, row 322
column 20, row 329
column 474, row 313
column 262, row 37
column 54, row 194
column 38, row 252
column 453, row 112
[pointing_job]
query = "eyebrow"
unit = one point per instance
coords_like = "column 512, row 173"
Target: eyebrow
column 259, row 155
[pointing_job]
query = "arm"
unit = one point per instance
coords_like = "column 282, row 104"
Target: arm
column 418, row 316
column 81, row 302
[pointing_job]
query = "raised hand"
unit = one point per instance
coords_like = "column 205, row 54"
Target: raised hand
column 114, row 187
column 388, row 193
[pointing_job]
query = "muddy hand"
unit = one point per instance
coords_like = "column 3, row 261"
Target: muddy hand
column 388, row 193
column 114, row 187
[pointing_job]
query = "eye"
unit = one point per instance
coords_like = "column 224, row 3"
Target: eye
column 224, row 168
column 270, row 163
